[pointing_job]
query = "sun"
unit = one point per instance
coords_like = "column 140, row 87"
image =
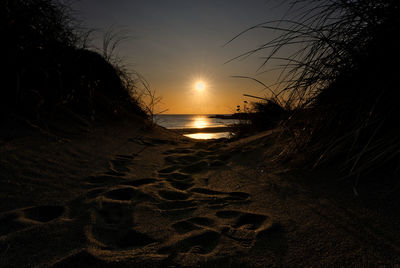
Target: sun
column 199, row 86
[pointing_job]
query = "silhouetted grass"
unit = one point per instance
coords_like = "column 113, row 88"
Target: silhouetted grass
column 48, row 66
column 339, row 77
column 258, row 116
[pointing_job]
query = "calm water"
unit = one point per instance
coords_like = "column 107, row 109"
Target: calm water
column 180, row 121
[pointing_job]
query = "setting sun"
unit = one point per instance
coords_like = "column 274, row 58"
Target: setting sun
column 200, row 86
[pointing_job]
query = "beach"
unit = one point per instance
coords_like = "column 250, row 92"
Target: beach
column 199, row 134
column 132, row 194
column 197, row 126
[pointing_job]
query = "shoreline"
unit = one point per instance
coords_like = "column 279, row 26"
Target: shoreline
column 200, row 130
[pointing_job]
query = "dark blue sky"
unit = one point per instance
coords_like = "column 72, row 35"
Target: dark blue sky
column 177, row 42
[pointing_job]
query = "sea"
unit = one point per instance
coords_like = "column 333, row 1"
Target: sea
column 183, row 121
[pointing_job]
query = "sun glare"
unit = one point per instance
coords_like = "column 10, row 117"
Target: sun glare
column 199, row 86
column 200, row 122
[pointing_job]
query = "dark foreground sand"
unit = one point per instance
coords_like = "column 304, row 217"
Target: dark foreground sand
column 127, row 196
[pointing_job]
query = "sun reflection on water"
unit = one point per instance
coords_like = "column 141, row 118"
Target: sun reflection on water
column 207, row 136
column 200, row 122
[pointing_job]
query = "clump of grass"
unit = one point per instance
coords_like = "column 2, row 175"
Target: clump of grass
column 261, row 115
column 48, row 65
column 338, row 79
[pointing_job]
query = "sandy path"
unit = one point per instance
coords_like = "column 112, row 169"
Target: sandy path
column 158, row 200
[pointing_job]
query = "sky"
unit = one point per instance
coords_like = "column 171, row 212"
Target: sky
column 175, row 44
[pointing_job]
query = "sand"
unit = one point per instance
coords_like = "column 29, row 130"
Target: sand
column 129, row 195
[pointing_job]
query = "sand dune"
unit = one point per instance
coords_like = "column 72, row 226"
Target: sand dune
column 131, row 197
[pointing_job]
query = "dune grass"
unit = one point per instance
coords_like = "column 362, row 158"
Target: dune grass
column 253, row 117
column 338, row 77
column 48, row 65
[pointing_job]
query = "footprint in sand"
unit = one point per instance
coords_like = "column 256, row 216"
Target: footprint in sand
column 203, row 221
column 179, row 181
column 168, row 169
column 243, row 226
column 113, row 213
column 180, row 185
column 191, row 224
column 250, row 221
column 142, row 141
column 113, row 221
column 192, row 162
column 178, row 196
column 178, row 208
column 229, row 229
column 218, row 199
column 182, row 159
column 177, row 176
column 10, row 223
column 120, row 238
column 197, row 167
column 140, row 182
column 184, row 227
column 173, row 205
column 237, row 196
column 78, row 258
column 112, row 172
column 198, row 243
column 120, row 165
column 44, row 213
column 206, row 191
column 228, row 214
column 202, row 243
column 95, row 192
column 127, row 193
column 102, row 180
column 187, row 157
column 179, row 151
column 132, row 239
column 204, row 153
column 20, row 219
column 173, row 195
